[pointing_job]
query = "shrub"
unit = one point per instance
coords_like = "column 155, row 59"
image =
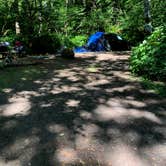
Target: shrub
column 9, row 39
column 48, row 43
column 79, row 40
column 72, row 41
column 149, row 58
column 65, row 40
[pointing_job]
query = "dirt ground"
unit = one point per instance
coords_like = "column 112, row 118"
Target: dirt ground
column 88, row 111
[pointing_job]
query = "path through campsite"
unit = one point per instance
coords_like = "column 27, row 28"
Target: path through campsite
column 88, row 111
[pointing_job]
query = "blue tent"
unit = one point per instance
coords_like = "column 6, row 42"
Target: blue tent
column 101, row 41
column 94, row 40
column 95, row 43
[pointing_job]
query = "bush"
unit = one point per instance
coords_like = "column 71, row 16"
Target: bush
column 9, row 39
column 72, row 41
column 149, row 58
column 65, row 40
column 43, row 44
column 79, row 40
column 134, row 35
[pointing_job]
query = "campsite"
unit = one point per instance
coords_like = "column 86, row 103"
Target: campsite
column 82, row 83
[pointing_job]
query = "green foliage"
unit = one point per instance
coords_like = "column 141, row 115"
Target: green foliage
column 79, row 40
column 149, row 58
column 9, row 38
column 74, row 18
column 72, row 41
column 133, row 21
column 65, row 40
column 158, row 12
column 157, row 87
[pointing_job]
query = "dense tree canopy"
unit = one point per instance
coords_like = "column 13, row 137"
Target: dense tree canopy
column 73, row 17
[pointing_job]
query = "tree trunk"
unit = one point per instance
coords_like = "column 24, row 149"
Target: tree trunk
column 148, row 27
column 17, row 27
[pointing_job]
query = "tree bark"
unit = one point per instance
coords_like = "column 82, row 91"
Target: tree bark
column 148, row 27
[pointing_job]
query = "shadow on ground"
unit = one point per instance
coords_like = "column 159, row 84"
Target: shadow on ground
column 86, row 111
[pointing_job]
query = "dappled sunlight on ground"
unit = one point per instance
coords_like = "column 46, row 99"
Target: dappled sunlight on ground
column 10, row 163
column 66, row 155
column 157, row 153
column 56, row 128
column 123, row 154
column 87, row 111
column 114, row 110
column 20, row 146
column 17, row 106
column 72, row 103
column 7, row 90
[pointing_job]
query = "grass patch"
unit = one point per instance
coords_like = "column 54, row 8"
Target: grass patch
column 158, row 87
column 11, row 77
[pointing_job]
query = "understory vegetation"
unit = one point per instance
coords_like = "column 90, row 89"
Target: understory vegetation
column 44, row 26
column 149, row 58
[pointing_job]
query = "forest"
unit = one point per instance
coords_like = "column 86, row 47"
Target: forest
column 57, row 23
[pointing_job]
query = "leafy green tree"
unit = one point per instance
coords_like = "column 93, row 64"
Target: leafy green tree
column 148, row 59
